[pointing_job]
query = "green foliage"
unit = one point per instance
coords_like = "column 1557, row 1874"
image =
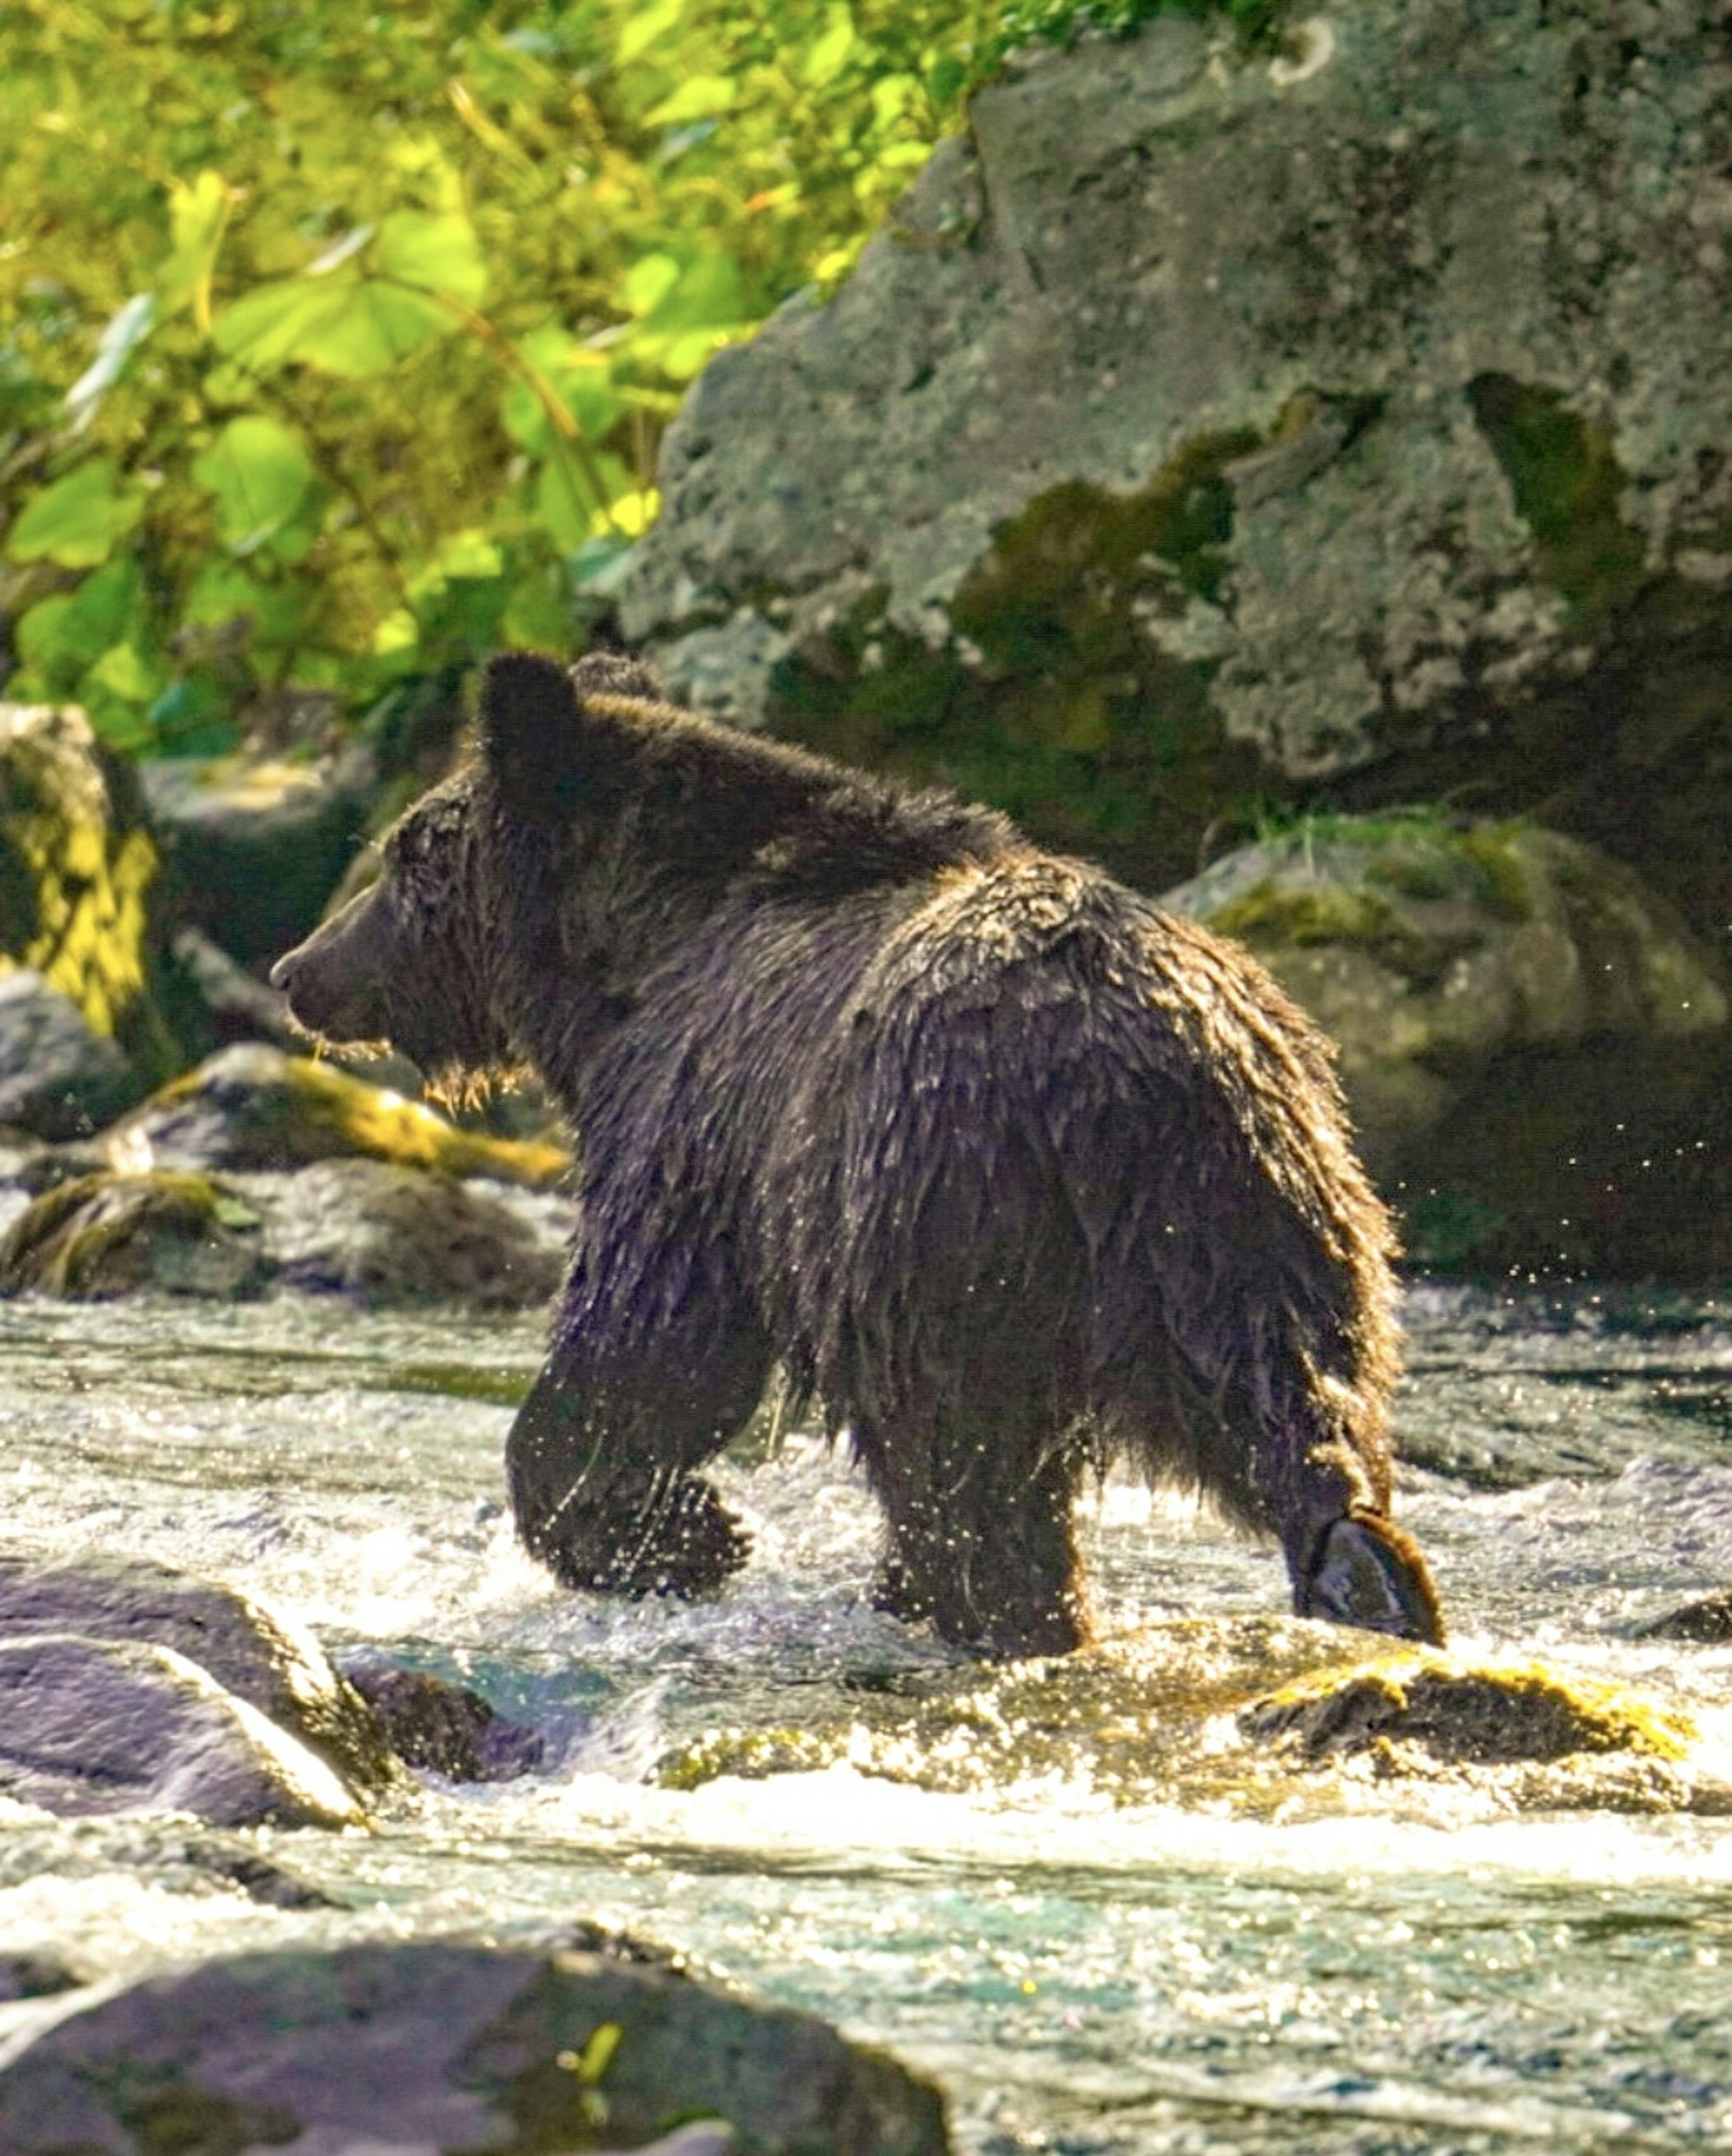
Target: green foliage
column 336, row 345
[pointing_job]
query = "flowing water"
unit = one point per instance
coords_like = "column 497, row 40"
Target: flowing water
column 1332, row 1974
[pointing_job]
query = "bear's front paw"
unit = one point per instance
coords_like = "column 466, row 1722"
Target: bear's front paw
column 1364, row 1571
column 679, row 1539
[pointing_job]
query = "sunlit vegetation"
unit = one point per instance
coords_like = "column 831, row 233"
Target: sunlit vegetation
column 336, row 345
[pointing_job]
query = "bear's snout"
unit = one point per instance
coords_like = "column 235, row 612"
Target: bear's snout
column 334, row 981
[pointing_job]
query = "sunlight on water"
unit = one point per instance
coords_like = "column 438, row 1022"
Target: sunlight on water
column 1367, row 1967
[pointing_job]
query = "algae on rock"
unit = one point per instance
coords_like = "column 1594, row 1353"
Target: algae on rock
column 77, row 869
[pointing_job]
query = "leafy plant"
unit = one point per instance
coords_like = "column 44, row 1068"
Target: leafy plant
column 336, row 345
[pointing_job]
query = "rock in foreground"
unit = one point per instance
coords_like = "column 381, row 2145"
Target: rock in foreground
column 132, row 1687
column 446, row 2046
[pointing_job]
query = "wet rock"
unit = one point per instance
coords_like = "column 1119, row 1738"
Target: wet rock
column 235, row 1005
column 59, row 1077
column 35, row 1976
column 252, row 1106
column 390, row 1237
column 100, row 1235
column 1483, row 1713
column 1210, row 423
column 445, row 1728
column 1522, row 1023
column 163, row 1853
column 78, row 872
column 1708, row 1622
column 445, row 2045
column 1181, row 1712
column 106, row 1726
column 385, row 1237
column 250, row 1652
column 256, row 843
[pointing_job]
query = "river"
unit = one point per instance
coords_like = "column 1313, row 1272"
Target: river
column 1081, row 1974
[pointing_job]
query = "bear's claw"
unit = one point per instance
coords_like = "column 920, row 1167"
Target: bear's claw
column 1364, row 1571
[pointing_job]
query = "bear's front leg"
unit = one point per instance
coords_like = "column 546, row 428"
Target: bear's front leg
column 601, row 1458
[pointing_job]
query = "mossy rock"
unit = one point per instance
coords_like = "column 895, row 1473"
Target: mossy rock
column 1531, row 1040
column 1182, row 1711
column 1460, row 1711
column 103, row 1235
column 78, row 875
column 253, row 1107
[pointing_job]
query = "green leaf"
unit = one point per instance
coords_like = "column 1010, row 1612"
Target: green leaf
column 343, row 325
column 258, row 471
column 469, row 554
column 438, row 253
column 699, row 97
column 645, row 28
column 197, row 212
column 827, row 55
column 128, row 674
column 577, row 375
column 68, row 631
column 224, row 593
column 193, row 717
column 709, row 293
column 76, row 520
column 565, row 504
column 648, row 281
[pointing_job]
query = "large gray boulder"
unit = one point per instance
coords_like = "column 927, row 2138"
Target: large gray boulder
column 95, row 1725
column 130, row 1686
column 1350, row 421
column 449, row 2046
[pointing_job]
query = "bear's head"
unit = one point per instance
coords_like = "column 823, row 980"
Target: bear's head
column 419, row 958
column 522, row 906
column 402, row 961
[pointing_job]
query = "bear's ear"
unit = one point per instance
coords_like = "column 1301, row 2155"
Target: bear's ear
column 531, row 730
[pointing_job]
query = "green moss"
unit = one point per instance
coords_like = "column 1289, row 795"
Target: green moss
column 1274, row 915
column 169, row 2117
column 66, row 1241
column 1567, row 483
column 284, row 1110
column 1468, row 1711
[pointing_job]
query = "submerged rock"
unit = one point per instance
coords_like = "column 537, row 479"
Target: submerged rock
column 247, row 1651
column 35, row 1976
column 445, row 1728
column 1708, row 1622
column 252, row 1106
column 1182, row 1713
column 445, row 2047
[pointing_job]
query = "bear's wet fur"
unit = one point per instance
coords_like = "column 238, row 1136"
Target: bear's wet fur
column 1011, row 1171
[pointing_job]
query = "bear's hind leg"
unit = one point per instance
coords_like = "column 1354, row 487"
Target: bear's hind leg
column 980, row 1539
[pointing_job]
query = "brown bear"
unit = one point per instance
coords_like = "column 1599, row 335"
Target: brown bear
column 1011, row 1171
